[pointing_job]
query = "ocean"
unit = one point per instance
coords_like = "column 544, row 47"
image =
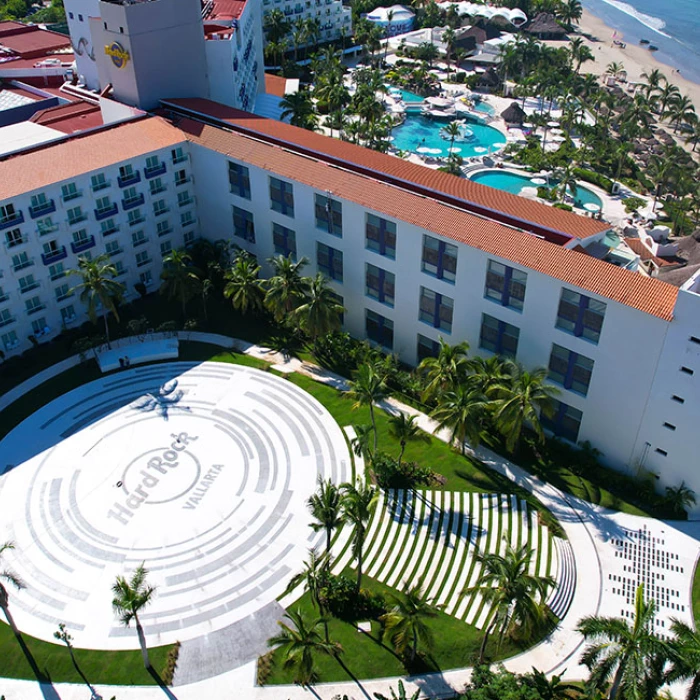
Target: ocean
column 672, row 25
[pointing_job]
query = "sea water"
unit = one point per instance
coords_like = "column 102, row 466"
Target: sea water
column 672, row 25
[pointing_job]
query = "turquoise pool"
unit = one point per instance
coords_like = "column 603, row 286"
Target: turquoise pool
column 514, row 183
column 484, row 108
column 418, row 132
column 406, row 95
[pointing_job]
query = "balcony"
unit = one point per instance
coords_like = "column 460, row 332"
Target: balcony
column 42, row 209
column 133, row 202
column 29, row 288
column 4, row 297
column 158, row 190
column 139, row 242
column 7, row 321
column 101, row 186
column 129, row 179
column 36, row 309
column 84, row 245
column 77, row 219
column 45, row 230
column 154, row 172
column 60, row 274
column 122, row 271
column 67, row 197
column 114, row 252
column 101, row 214
column 15, row 241
column 180, row 159
column 146, row 261
column 183, row 181
column 185, row 202
column 109, row 231
column 54, row 256
column 136, row 222
column 8, row 221
column 22, row 264
column 160, row 212
column 64, row 295
column 165, row 231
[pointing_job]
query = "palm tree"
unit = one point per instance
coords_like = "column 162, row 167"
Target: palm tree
column 445, row 371
column 8, row 576
column 406, row 623
column 516, row 597
column 325, row 507
column 275, row 25
column 402, row 690
column 461, row 410
column 685, row 658
column 359, row 502
column 551, row 688
column 403, row 427
column 298, row 643
column 130, row 597
column 98, row 287
column 362, row 442
column 681, row 111
column 451, row 131
column 580, row 53
column 320, row 312
column 680, row 497
column 366, row 389
column 180, row 279
column 243, row 286
column 313, row 577
column 660, row 169
column 622, row 650
column 567, row 181
column 449, row 37
column 300, row 33
column 299, row 108
column 520, row 400
column 570, row 12
column 286, row 289
column 653, row 80
column 615, row 69
column 667, row 95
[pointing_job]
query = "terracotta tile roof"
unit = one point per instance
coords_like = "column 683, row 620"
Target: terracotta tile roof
column 70, row 118
column 275, row 85
column 31, row 170
column 32, row 41
column 645, row 254
column 227, row 9
column 487, row 200
column 645, row 294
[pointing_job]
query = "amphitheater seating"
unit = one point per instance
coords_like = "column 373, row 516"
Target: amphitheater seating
column 138, row 353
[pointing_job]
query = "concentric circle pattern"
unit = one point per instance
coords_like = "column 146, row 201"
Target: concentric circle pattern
column 201, row 471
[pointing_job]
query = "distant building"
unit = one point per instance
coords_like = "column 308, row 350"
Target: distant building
column 396, row 19
column 334, row 18
column 151, row 49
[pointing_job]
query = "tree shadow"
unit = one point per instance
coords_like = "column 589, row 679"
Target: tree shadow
column 161, row 683
column 43, row 677
column 354, row 678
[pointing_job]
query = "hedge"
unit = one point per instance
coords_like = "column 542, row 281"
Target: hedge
column 593, row 178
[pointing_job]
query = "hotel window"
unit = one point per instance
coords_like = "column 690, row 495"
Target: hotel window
column 20, row 261
column 119, row 267
column 152, row 164
column 178, row 155
column 107, row 227
column 580, row 315
column 27, row 283
column 102, row 204
column 131, row 195
column 187, row 219
column 570, row 370
column 3, row 295
column 14, row 238
column 99, row 182
column 142, row 258
column 9, row 340
column 284, row 241
column 126, row 171
column 160, row 207
column 436, row 309
column 379, row 284
column 56, row 271
column 282, row 197
column 180, row 177
column 380, row 236
column 166, row 248
column 67, row 314
column 146, row 278
column 40, row 203
column 188, row 238
column 112, row 248
column 329, row 261
column 329, row 215
column 62, row 292
column 39, row 327
column 565, row 421
column 135, row 217
column 75, row 216
column 8, row 213
column 239, row 180
column 243, row 226
column 439, row 259
column 184, row 198
column 138, row 238
column 70, row 191
column 505, row 285
column 427, row 347
column 33, row 305
column 80, row 237
column 5, row 319
column 156, row 185
column 498, row 336
column 379, row 329
column 45, row 226
column 163, row 228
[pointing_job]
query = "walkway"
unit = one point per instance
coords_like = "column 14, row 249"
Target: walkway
column 607, row 546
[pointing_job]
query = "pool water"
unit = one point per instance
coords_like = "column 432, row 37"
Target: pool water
column 484, row 108
column 406, row 95
column 420, row 132
column 514, row 183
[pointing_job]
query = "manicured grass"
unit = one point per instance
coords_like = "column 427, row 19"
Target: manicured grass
column 51, row 662
column 696, row 595
column 366, row 656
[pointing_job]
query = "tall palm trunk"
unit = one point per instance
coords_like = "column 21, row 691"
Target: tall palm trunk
column 414, row 646
column 9, row 618
column 329, row 531
column 104, row 318
column 617, row 680
column 485, row 640
column 403, row 449
column 360, row 542
column 374, row 427
column 142, row 642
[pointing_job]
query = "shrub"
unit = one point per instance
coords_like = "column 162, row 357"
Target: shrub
column 171, row 664
column 546, row 193
column 633, row 203
column 594, row 178
column 563, row 205
column 344, row 602
column 407, row 475
column 265, row 667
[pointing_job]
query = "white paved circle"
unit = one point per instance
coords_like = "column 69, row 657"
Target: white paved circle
column 200, row 470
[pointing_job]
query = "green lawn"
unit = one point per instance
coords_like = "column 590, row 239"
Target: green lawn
column 51, row 662
column 365, row 656
column 696, row 595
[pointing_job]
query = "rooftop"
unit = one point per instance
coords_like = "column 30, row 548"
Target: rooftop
column 11, row 97
column 32, row 170
column 226, row 10
column 29, row 41
column 376, row 193
column 70, row 118
column 556, row 225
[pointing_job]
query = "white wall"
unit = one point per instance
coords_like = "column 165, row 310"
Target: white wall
column 81, row 36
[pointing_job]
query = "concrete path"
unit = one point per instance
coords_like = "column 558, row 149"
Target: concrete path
column 612, row 551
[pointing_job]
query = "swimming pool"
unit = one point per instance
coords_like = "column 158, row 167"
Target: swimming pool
column 514, row 183
column 418, row 132
column 405, row 95
column 484, row 108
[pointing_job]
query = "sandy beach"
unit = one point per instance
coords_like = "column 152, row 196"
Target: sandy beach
column 635, row 58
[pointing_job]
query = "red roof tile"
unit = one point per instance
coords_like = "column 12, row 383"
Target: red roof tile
column 488, row 201
column 648, row 295
column 275, row 85
column 227, row 9
column 70, row 118
column 645, row 254
column 30, row 42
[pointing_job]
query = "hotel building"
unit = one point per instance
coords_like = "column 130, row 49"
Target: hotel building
column 334, row 18
column 415, row 255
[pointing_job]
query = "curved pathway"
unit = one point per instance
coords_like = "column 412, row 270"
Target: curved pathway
column 610, row 551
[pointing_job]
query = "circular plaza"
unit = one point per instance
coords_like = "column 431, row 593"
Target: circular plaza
column 202, row 471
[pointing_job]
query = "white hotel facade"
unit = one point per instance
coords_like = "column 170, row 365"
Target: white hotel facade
column 415, row 255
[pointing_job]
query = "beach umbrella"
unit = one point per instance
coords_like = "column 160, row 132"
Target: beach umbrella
column 590, row 206
column 539, row 181
column 424, row 149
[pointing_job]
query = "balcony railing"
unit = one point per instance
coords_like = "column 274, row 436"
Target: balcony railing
column 139, row 241
column 182, row 181
column 160, row 212
column 129, row 179
column 45, row 230
column 7, row 321
column 165, row 231
column 109, row 231
column 22, row 265
column 158, row 190
column 115, row 252
column 141, row 263
column 54, row 256
column 101, row 186
column 4, row 297
column 58, row 275
column 154, row 172
column 185, row 202
column 14, row 220
column 123, row 271
column 180, row 159
column 42, row 209
column 64, row 295
column 77, row 219
column 111, row 210
column 28, row 287
column 133, row 202
column 15, row 241
column 36, row 309
column 82, row 246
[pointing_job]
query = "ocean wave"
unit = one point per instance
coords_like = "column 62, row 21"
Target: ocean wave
column 654, row 23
